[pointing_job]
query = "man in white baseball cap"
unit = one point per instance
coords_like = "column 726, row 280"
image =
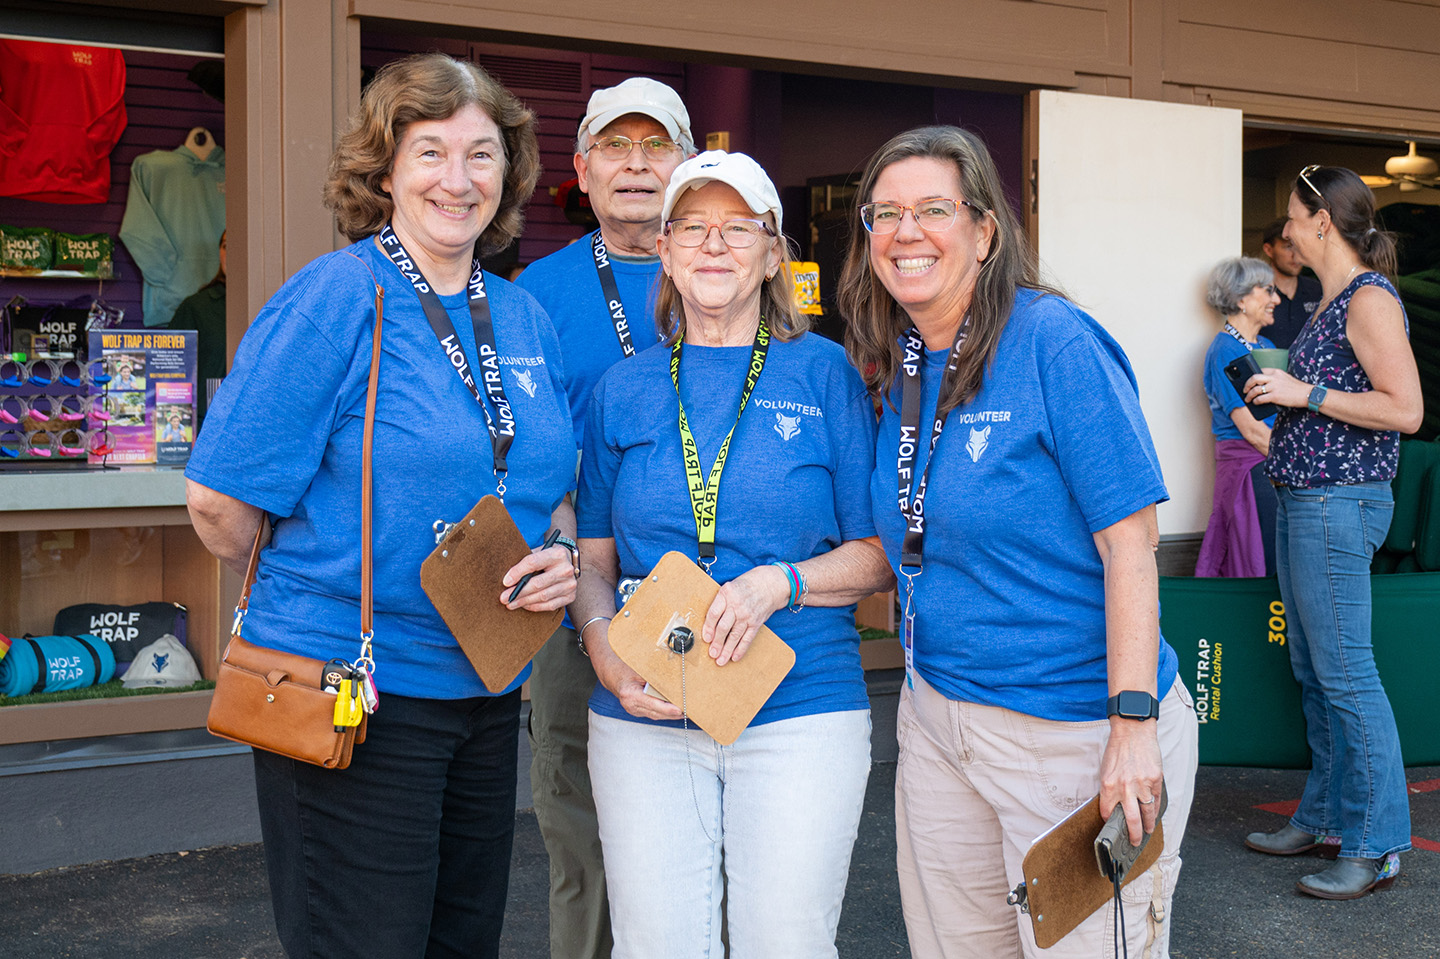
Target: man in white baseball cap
column 598, row 292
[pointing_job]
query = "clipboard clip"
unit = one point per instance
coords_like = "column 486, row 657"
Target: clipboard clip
column 442, row 529
column 1019, row 896
column 626, row 587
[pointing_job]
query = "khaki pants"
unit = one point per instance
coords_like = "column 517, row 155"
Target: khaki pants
column 977, row 785
column 560, row 687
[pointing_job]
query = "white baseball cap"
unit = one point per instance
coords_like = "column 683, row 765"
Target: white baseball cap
column 735, row 170
column 638, row 95
column 164, row 662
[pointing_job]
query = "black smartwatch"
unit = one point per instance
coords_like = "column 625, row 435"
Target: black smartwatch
column 1133, row 704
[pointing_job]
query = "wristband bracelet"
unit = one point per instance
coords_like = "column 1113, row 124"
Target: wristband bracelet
column 799, row 589
column 580, row 633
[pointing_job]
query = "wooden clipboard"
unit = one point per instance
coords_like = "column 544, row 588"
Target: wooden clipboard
column 1063, row 885
column 463, row 577
column 719, row 699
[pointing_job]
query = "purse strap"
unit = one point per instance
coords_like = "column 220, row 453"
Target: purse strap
column 367, row 495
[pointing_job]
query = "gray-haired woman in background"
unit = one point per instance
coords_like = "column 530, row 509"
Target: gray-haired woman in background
column 1240, row 538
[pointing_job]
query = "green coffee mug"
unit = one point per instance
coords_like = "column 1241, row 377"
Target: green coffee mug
column 1272, row 359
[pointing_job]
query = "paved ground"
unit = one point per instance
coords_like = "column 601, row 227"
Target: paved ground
column 213, row 903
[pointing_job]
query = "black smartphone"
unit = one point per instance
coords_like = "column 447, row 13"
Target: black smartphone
column 1239, row 370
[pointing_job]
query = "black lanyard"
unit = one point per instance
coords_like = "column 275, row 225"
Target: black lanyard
column 612, row 294
column 704, row 494
column 912, row 549
column 503, row 434
column 1249, row 347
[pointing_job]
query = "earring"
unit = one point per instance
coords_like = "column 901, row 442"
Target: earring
column 1320, row 234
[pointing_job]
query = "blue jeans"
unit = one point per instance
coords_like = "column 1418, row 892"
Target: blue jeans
column 1325, row 538
column 405, row 854
column 765, row 825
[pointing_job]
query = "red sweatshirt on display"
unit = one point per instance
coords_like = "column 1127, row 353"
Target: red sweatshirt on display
column 62, row 109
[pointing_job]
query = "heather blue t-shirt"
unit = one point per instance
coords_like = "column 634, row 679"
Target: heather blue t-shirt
column 284, row 434
column 1011, row 602
column 796, row 485
column 568, row 288
column 1223, row 398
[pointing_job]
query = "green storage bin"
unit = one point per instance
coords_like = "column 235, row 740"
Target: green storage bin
column 1237, row 665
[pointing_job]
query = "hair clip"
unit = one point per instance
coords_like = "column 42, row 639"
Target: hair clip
column 77, row 380
column 37, row 450
column 5, row 415
column 95, row 371
column 9, row 447
column 11, row 373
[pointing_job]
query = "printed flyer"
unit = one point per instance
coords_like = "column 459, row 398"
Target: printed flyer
column 148, row 400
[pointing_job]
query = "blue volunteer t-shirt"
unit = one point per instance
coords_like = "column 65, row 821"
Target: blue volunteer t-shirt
column 795, row 485
column 568, row 288
column 284, row 434
column 1010, row 607
column 1223, row 397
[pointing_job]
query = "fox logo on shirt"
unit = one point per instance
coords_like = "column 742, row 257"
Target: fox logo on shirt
column 786, row 426
column 526, row 381
column 979, row 439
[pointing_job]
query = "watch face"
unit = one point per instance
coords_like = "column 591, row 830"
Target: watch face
column 1132, row 704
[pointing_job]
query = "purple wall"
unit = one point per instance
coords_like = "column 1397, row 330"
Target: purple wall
column 162, row 107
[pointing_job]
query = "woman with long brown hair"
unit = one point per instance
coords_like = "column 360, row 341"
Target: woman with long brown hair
column 1014, row 492
column 1351, row 389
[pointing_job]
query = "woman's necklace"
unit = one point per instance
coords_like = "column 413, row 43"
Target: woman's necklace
column 1343, row 283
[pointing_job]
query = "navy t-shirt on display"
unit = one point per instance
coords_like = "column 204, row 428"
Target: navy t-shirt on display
column 284, row 434
column 1223, row 398
column 795, row 485
column 1010, row 606
column 567, row 286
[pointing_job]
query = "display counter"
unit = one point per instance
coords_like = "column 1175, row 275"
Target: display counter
column 118, row 536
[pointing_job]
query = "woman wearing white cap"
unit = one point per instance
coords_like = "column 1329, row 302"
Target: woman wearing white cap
column 770, row 820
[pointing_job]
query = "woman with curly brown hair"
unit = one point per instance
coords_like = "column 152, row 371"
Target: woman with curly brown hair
column 406, row 852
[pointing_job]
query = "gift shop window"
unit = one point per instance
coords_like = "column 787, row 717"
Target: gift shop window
column 112, row 341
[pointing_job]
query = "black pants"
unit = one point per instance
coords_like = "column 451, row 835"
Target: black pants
column 406, row 854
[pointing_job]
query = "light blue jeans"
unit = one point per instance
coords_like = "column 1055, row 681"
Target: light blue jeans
column 767, row 825
column 1325, row 538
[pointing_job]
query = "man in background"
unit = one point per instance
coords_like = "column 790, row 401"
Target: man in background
column 1299, row 295
column 600, row 293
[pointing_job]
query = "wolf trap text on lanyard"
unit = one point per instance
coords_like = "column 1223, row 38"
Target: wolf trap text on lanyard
column 502, row 425
column 912, row 548
column 613, row 304
column 704, row 498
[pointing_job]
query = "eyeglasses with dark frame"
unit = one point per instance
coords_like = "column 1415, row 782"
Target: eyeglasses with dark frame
column 618, row 147
column 738, row 234
column 1305, row 176
column 933, row 215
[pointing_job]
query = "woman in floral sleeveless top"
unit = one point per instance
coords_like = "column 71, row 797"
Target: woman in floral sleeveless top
column 1351, row 389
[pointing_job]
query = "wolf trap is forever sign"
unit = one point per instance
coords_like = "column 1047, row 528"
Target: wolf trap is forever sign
column 1230, row 635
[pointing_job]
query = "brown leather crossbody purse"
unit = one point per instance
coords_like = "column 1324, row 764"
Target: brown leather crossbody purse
column 284, row 703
